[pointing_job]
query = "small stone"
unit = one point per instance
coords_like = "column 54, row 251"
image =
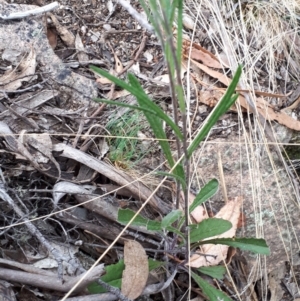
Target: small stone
column 202, row 109
column 129, row 25
column 107, row 27
column 83, row 30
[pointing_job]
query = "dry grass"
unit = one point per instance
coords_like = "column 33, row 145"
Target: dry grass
column 264, row 37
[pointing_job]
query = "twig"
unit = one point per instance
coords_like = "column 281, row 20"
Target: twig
column 135, row 58
column 113, row 290
column 30, row 13
column 50, row 281
column 35, row 232
column 149, row 290
column 38, row 85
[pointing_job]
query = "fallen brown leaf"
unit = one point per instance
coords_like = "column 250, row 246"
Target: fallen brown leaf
column 81, row 55
column 214, row 254
column 136, row 270
column 262, row 106
column 119, row 65
column 24, row 72
column 201, row 54
column 52, row 38
column 199, row 213
column 67, row 37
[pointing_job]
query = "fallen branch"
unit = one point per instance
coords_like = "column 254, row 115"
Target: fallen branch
column 51, row 282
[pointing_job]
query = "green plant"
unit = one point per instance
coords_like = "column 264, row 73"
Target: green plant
column 123, row 148
column 184, row 236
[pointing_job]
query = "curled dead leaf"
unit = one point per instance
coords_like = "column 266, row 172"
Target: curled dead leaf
column 199, row 53
column 24, row 72
column 67, row 37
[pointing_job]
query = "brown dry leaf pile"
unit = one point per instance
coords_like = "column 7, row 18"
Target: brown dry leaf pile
column 212, row 96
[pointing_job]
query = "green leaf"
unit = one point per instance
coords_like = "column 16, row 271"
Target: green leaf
column 170, row 218
column 153, row 15
column 114, row 273
column 224, row 104
column 139, row 93
column 156, row 126
column 212, row 293
column 216, row 272
column 176, row 231
column 113, row 277
column 255, row 245
column 160, row 134
column 125, row 216
column 154, row 264
column 204, row 194
column 179, row 30
column 146, row 102
column 154, row 225
column 208, row 228
column 172, row 175
column 125, row 105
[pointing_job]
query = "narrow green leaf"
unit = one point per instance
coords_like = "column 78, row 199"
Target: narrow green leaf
column 181, row 100
column 146, row 102
column 170, row 218
column 154, row 264
column 179, row 173
column 113, row 277
column 204, row 194
column 156, row 126
column 153, row 14
column 216, row 272
column 212, row 293
column 168, row 8
column 224, row 104
column 138, row 92
column 255, row 245
column 160, row 134
column 170, row 59
column 176, row 231
column 208, row 228
column 172, row 175
column 179, row 30
column 125, row 105
column 125, row 216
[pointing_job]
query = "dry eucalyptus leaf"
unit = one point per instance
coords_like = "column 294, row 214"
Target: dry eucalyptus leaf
column 217, row 253
column 81, row 55
column 103, row 81
column 67, row 37
column 262, row 106
column 119, row 66
column 136, row 270
column 199, row 53
column 24, row 72
column 52, row 38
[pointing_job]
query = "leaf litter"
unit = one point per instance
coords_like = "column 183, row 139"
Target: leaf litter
column 54, row 104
